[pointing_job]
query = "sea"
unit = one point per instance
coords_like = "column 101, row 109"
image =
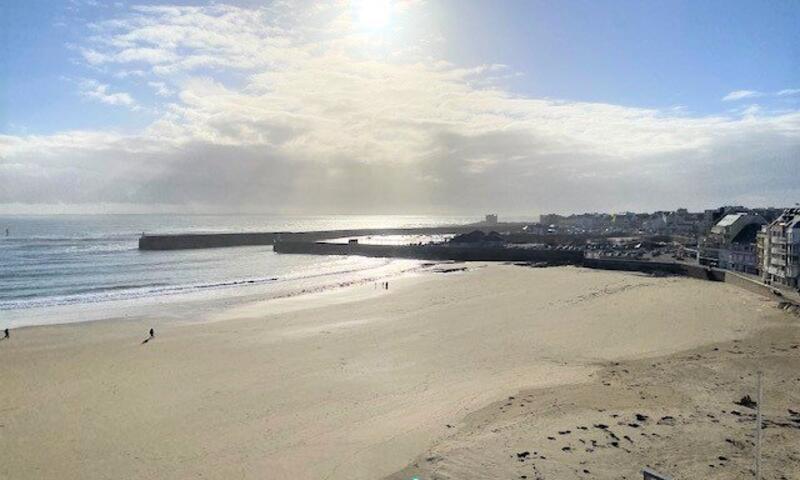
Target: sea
column 50, row 263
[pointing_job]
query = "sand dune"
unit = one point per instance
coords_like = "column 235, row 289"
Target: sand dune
column 350, row 385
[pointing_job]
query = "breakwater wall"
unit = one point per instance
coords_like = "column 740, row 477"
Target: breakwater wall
column 435, row 252
column 200, row 240
column 220, row 240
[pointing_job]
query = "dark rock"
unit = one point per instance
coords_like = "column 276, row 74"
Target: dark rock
column 666, row 420
column 747, row 402
column 477, row 236
column 736, row 443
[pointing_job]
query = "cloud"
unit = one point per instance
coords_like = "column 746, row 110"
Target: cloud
column 788, row 92
column 161, row 89
column 741, row 95
column 99, row 91
column 290, row 108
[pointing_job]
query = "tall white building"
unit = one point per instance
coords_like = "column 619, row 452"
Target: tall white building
column 731, row 243
column 779, row 250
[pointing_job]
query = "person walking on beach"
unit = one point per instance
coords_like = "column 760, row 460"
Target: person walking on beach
column 6, row 334
column 152, row 336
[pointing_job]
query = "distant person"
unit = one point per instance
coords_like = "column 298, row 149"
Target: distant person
column 152, row 336
column 6, row 334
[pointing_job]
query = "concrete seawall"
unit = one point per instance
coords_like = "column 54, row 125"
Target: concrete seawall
column 696, row 271
column 212, row 240
column 687, row 270
column 220, row 240
column 434, row 252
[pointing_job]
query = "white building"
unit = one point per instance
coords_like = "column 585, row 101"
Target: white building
column 732, row 224
column 731, row 243
column 779, row 250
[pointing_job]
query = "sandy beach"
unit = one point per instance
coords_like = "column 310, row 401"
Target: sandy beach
column 451, row 375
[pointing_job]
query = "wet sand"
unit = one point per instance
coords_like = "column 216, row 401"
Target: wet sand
column 359, row 383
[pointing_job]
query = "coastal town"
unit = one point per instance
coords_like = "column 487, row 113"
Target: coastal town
column 760, row 242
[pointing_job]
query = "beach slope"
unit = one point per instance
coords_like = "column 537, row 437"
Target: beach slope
column 354, row 384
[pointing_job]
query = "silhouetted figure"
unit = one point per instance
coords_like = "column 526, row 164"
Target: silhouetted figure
column 6, row 334
column 152, row 336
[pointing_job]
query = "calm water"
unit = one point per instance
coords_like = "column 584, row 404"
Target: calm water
column 78, row 259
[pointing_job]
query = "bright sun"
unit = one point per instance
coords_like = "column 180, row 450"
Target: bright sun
column 373, row 14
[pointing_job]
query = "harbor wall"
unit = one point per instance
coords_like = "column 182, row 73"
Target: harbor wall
column 220, row 240
column 514, row 232
column 434, row 252
column 199, row 240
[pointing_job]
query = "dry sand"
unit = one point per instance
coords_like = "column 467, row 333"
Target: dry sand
column 358, row 383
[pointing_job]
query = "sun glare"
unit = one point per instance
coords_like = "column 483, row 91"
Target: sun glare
column 373, row 14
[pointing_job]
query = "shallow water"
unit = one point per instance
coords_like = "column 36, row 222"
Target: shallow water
column 62, row 260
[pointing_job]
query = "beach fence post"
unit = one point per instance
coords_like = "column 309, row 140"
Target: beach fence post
column 759, row 401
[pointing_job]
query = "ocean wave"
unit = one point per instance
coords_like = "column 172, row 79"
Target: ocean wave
column 120, row 292
column 134, row 291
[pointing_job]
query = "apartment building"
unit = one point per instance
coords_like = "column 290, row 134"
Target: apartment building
column 778, row 249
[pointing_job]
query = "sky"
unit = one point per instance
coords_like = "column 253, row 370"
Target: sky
column 398, row 106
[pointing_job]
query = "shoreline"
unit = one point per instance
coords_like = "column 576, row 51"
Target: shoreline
column 346, row 384
column 199, row 301
column 213, row 298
